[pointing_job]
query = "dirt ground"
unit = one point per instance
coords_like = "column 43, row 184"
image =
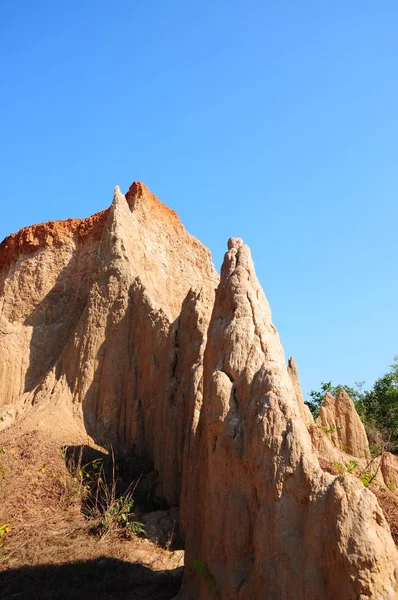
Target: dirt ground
column 50, row 546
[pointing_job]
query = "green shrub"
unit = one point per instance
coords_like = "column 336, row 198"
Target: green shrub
column 352, row 465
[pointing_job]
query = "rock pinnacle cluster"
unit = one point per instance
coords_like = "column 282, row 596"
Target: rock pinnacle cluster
column 122, row 320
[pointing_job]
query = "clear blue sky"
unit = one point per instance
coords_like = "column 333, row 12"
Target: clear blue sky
column 272, row 121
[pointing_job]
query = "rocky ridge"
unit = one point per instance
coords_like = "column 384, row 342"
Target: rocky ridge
column 122, row 320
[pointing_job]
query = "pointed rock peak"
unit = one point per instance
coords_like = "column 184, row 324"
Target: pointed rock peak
column 329, row 399
column 294, row 378
column 344, row 398
column 238, row 265
column 339, row 418
column 119, row 207
column 117, row 233
column 138, row 190
column 117, row 194
column 141, row 201
column 257, row 466
column 235, row 243
column 291, row 366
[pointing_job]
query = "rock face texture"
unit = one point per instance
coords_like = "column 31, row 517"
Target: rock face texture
column 294, row 378
column 110, row 314
column 122, row 320
column 338, row 417
column 271, row 523
column 389, row 469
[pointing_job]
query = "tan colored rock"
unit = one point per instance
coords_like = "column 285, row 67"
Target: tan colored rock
column 110, row 315
column 294, row 378
column 339, row 419
column 113, row 322
column 325, row 448
column 271, row 523
column 389, row 469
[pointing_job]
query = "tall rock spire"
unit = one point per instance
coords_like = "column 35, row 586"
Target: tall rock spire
column 272, row 524
column 294, row 378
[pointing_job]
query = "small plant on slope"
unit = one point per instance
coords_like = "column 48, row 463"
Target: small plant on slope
column 352, row 465
column 339, row 467
column 203, row 569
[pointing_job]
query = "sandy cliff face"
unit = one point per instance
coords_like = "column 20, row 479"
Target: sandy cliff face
column 294, row 378
column 110, row 314
column 116, row 319
column 272, row 524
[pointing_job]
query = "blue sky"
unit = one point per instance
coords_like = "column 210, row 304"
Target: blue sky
column 272, row 121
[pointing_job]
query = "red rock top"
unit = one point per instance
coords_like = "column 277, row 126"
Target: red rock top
column 140, row 197
column 29, row 239
column 144, row 204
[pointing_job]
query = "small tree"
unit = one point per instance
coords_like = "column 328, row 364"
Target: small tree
column 381, row 406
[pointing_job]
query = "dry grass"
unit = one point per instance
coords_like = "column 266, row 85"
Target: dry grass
column 51, row 534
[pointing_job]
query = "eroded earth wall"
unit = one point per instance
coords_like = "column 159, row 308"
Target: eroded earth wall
column 122, row 319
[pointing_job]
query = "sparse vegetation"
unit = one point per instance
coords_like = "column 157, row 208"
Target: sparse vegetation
column 53, row 537
column 100, row 500
column 203, row 569
column 4, row 530
column 325, row 430
column 344, row 447
column 352, row 465
column 366, row 477
column 339, row 468
column 120, row 513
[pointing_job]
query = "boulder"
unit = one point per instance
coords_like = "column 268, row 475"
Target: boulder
column 161, row 526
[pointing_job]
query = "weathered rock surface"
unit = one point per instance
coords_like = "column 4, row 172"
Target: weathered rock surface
column 110, row 315
column 161, row 526
column 115, row 319
column 389, row 468
column 271, row 523
column 338, row 417
column 294, row 378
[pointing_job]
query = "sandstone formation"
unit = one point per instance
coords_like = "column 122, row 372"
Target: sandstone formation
column 122, row 321
column 272, row 524
column 109, row 314
column 338, row 417
column 389, row 469
column 294, row 378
